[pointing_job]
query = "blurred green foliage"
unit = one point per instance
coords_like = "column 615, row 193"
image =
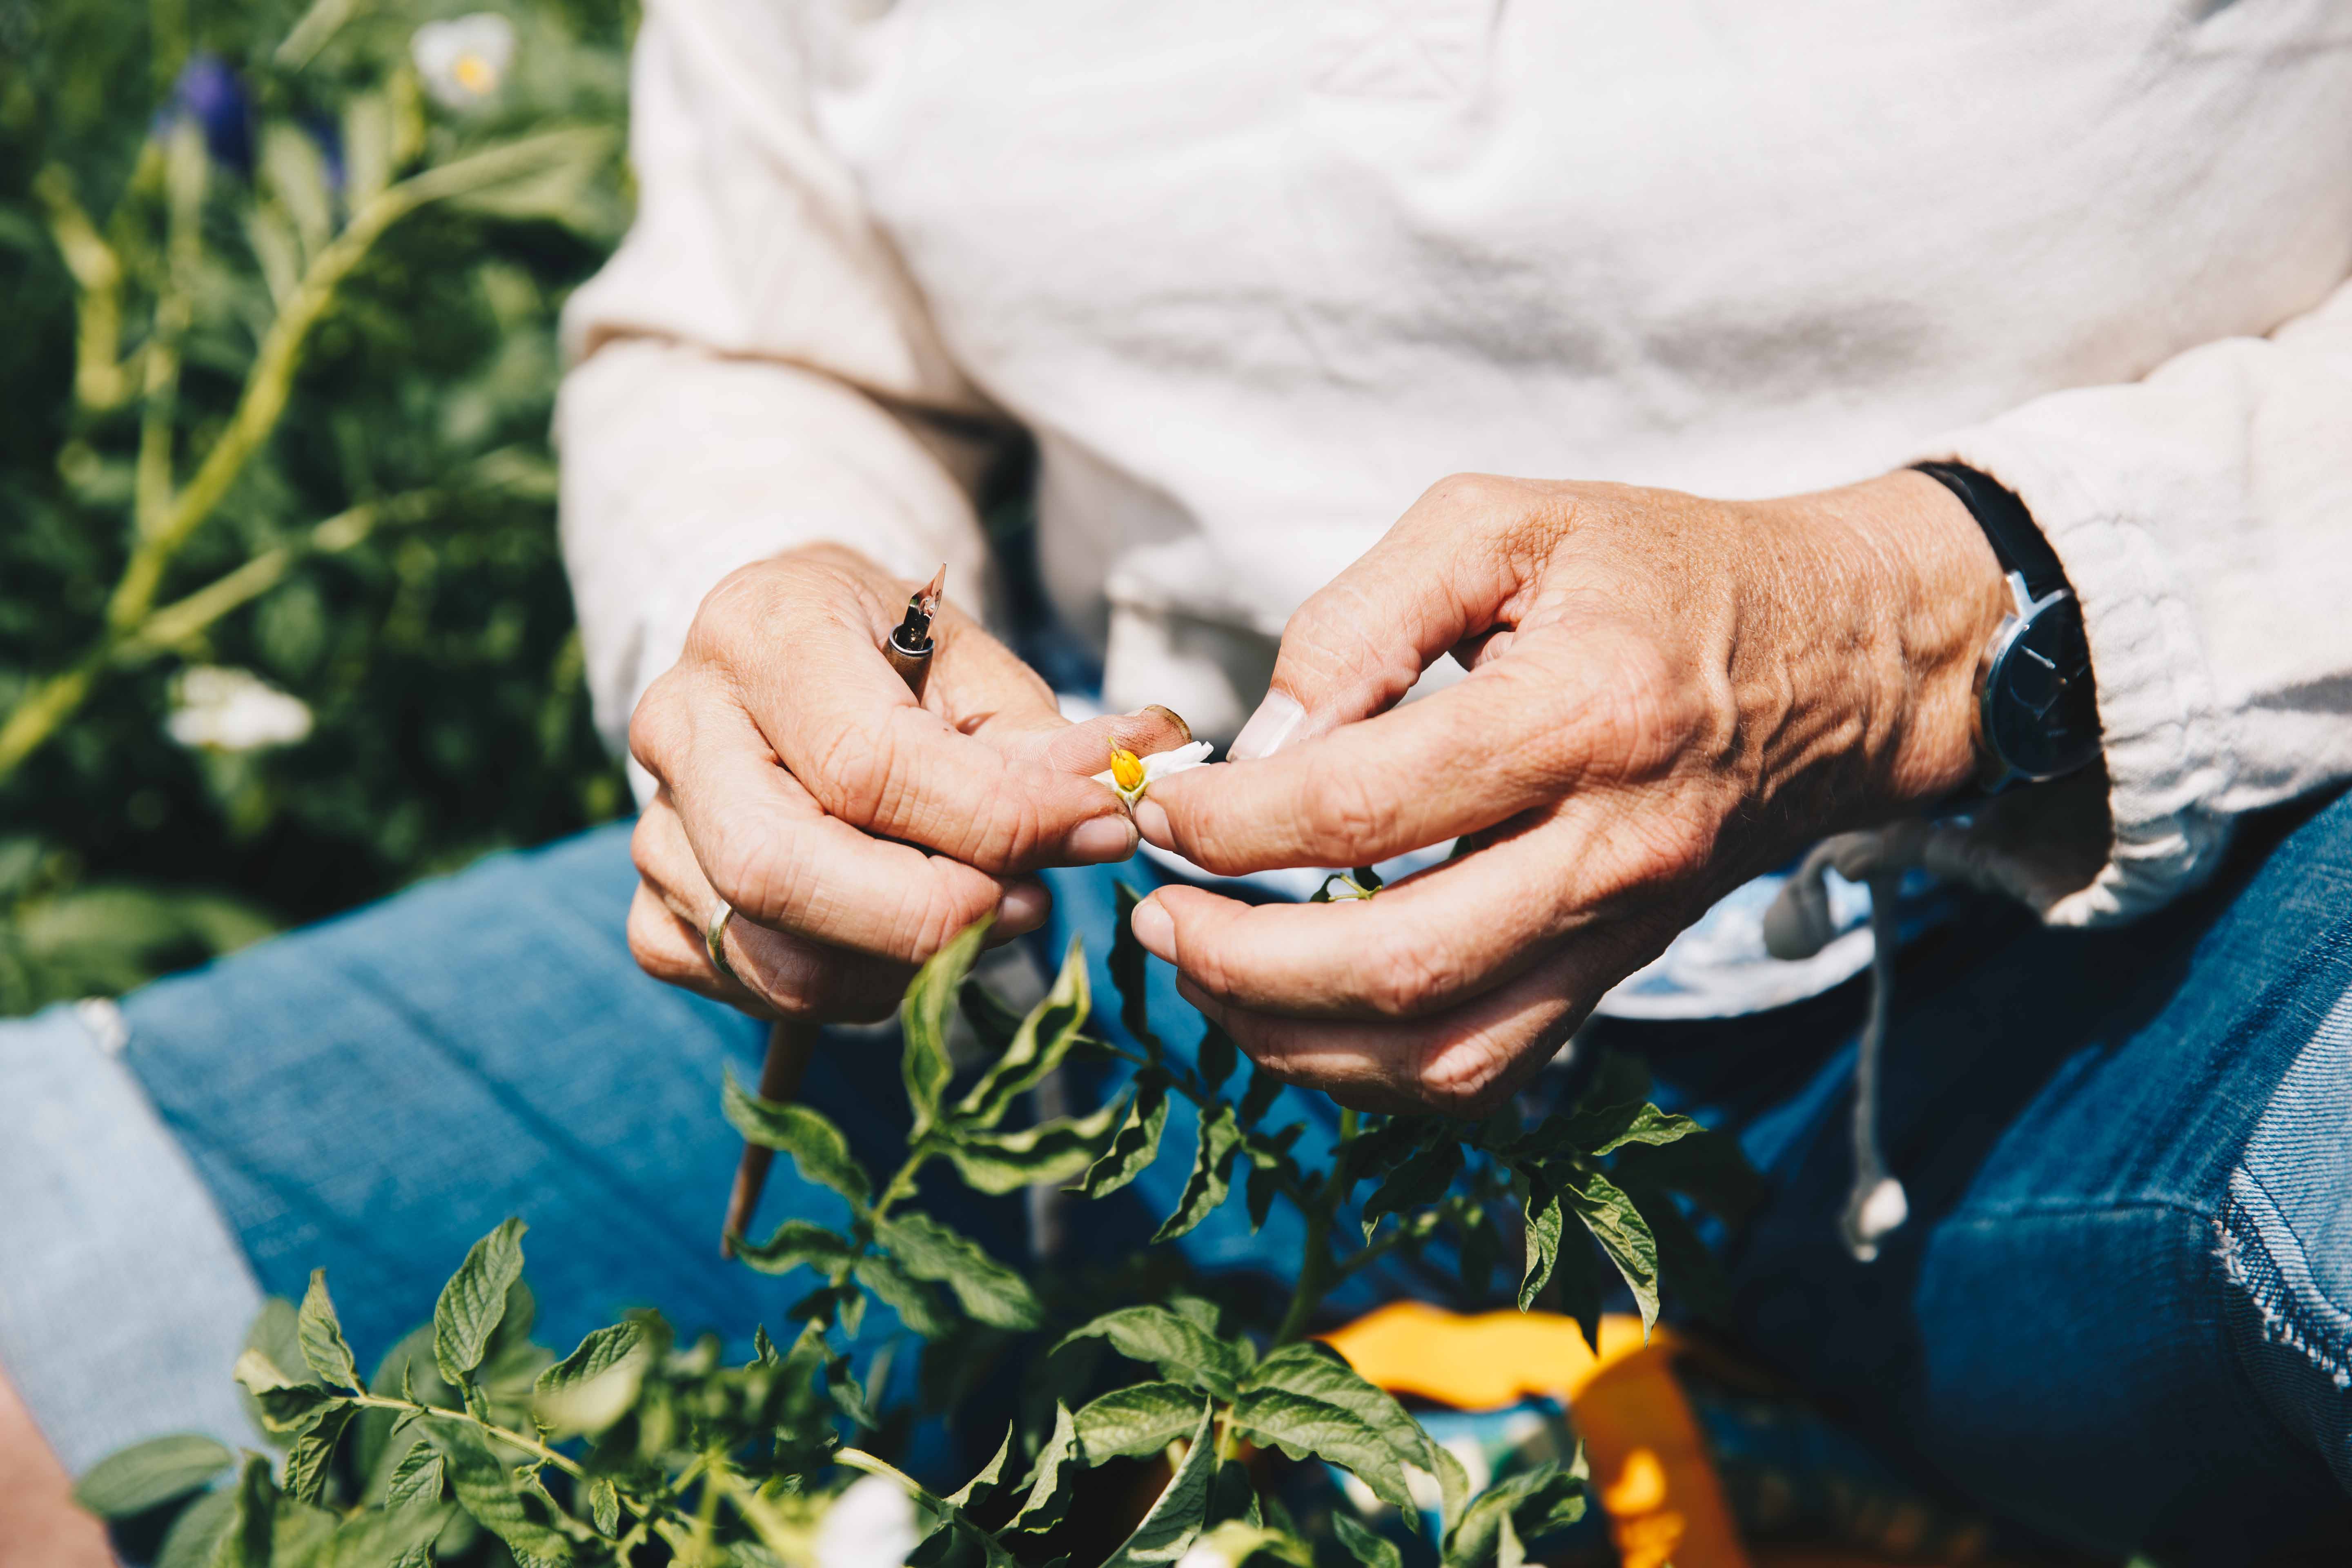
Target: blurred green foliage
column 434, row 647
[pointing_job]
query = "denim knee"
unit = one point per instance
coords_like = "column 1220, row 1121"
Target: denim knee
column 2284, row 1238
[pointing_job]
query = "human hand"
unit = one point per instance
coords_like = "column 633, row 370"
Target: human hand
column 1668, row 695
column 853, row 828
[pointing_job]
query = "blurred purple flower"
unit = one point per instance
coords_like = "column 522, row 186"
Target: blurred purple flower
column 211, row 95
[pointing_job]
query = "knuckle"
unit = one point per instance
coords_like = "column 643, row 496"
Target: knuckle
column 752, row 874
column 1409, row 975
column 1464, row 1076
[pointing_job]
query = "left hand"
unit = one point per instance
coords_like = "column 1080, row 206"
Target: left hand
column 1668, row 695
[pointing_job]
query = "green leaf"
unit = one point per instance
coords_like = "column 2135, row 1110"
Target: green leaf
column 1652, row 1126
column 917, row 1306
column 1707, row 1167
column 763, row 1349
column 1259, row 1190
column 1044, row 1038
column 603, row 1350
column 1684, row 1261
column 1304, row 1428
column 138, row 1478
column 1051, row 1486
column 1452, row 1484
column 1622, row 1234
column 1169, row 1529
column 1135, row 1422
column 923, row 1019
column 383, row 1539
column 322, row 1336
column 604, row 1505
column 1265, row 1088
column 1421, row 1179
column 475, row 1299
column 1236, row 1541
column 307, row 1462
column 982, row 1486
column 795, row 1243
column 197, row 1533
column 244, row 1537
column 819, row 1150
column 1611, row 1104
column 1218, row 1056
column 987, row 1289
column 1127, row 974
column 1392, row 1142
column 1050, row 1152
column 286, row 1406
column 1212, row 1165
column 1315, row 1370
column 1368, row 1547
column 1136, row 1143
column 417, row 1477
column 1543, row 1223
column 493, row 1499
column 1522, row 1507
column 989, row 1016
column 1178, row 1346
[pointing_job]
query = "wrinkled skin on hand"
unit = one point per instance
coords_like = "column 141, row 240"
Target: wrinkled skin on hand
column 1668, row 695
column 854, row 829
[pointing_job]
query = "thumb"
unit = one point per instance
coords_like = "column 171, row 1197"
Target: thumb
column 1362, row 641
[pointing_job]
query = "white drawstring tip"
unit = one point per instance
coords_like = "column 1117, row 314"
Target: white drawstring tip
column 1873, row 1216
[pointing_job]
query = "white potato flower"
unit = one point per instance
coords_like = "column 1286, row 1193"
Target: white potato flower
column 463, row 61
column 871, row 1525
column 222, row 709
column 1130, row 776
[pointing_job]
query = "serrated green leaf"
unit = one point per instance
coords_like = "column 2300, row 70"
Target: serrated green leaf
column 1050, row 1152
column 307, row 1462
column 1217, row 1056
column 1127, row 973
column 139, row 1477
column 603, row 1505
column 1177, row 1345
column 244, row 1537
column 1685, row 1263
column 819, row 1150
column 417, row 1477
column 493, row 1497
column 988, row 1290
column 1523, row 1506
column 1368, row 1547
column 383, row 1539
column 1420, row 1179
column 603, row 1350
column 763, row 1349
column 1393, row 1140
column 1175, row 1518
column 1135, row 1422
column 991, row 1476
column 1543, row 1218
column 923, row 1018
column 1315, row 1370
column 914, row 1301
column 1059, row 1463
column 1304, row 1428
column 1212, row 1165
column 286, row 1406
column 322, row 1336
column 1652, row 1126
column 475, row 1299
column 1045, row 1038
column 1136, row 1143
column 1622, row 1234
column 796, row 1244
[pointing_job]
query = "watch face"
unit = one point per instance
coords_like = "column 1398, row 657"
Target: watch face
column 2040, row 710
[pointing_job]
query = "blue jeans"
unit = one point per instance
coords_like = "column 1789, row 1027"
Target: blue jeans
column 2120, row 1312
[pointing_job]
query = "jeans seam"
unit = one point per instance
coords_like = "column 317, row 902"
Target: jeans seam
column 2286, row 1320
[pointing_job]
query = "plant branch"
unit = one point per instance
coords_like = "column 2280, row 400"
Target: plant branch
column 531, row 1445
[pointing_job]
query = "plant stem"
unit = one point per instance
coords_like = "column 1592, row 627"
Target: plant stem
column 1315, row 1275
column 531, row 1445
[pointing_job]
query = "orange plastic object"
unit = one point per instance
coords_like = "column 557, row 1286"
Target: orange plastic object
column 1650, row 1469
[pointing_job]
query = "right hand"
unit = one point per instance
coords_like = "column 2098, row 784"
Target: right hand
column 854, row 829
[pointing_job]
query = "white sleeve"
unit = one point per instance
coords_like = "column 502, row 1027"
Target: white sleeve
column 2204, row 516
column 752, row 370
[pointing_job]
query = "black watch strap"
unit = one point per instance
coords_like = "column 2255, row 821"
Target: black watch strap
column 2007, row 525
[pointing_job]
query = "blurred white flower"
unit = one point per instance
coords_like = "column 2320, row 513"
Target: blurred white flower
column 871, row 1525
column 462, row 62
column 229, row 710
column 1130, row 776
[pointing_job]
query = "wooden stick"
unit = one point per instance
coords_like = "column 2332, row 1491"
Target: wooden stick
column 790, row 1046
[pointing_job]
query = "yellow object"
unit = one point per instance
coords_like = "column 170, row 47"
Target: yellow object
column 1125, row 767
column 1649, row 1467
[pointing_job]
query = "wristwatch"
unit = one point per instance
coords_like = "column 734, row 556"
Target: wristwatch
column 2037, row 710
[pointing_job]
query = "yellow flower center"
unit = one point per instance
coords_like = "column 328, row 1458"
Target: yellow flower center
column 1125, row 767
column 474, row 73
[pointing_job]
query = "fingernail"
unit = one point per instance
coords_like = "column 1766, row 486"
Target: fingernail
column 1102, row 839
column 1276, row 719
column 1151, row 821
column 1165, row 713
column 1155, row 930
column 1023, row 908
